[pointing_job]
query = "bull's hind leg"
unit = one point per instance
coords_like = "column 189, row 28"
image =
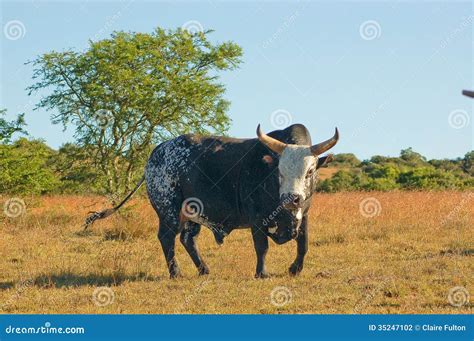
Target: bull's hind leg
column 188, row 238
column 167, row 235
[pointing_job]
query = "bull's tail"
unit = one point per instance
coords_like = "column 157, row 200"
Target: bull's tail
column 93, row 216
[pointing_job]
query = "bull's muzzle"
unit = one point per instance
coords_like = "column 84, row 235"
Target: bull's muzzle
column 284, row 235
column 291, row 201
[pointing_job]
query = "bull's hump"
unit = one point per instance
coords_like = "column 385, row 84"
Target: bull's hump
column 195, row 139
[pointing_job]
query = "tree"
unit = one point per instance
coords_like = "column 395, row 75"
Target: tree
column 7, row 129
column 126, row 93
column 412, row 157
column 468, row 163
column 75, row 169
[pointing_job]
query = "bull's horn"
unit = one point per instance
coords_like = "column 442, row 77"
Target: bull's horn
column 468, row 93
column 275, row 145
column 320, row 148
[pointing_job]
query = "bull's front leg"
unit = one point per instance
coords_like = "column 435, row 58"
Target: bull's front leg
column 302, row 247
column 260, row 242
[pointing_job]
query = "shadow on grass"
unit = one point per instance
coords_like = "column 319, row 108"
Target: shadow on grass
column 83, row 233
column 74, row 280
column 6, row 285
column 457, row 252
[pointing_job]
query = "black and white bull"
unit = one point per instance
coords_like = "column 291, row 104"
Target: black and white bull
column 264, row 184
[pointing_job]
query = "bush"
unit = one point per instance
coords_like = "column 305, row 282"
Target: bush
column 348, row 160
column 24, row 168
column 429, row 178
column 410, row 171
column 344, row 180
column 381, row 184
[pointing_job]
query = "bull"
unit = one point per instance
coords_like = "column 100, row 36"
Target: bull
column 265, row 184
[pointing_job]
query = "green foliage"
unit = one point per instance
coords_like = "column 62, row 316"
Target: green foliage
column 347, row 159
column 380, row 184
column 428, row 178
column 410, row 171
column 341, row 181
column 124, row 94
column 377, row 171
column 447, row 165
column 468, row 163
column 24, row 168
column 412, row 157
column 7, row 129
column 31, row 167
column 75, row 170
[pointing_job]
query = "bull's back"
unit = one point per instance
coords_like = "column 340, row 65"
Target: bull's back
column 213, row 176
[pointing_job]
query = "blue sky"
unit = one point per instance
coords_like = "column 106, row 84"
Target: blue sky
column 388, row 74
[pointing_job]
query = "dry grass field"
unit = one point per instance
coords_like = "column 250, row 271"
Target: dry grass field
column 404, row 259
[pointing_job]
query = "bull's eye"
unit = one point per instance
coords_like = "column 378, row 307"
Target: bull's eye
column 310, row 173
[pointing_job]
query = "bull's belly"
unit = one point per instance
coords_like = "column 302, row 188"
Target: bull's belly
column 219, row 229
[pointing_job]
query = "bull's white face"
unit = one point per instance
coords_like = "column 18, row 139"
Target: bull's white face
column 296, row 167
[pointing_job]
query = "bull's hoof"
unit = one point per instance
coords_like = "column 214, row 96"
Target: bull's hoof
column 203, row 271
column 219, row 237
column 175, row 274
column 295, row 269
column 263, row 274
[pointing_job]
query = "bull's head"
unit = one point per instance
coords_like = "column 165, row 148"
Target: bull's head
column 296, row 168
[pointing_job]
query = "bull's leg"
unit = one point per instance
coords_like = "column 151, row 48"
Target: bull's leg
column 302, row 247
column 167, row 235
column 188, row 238
column 260, row 241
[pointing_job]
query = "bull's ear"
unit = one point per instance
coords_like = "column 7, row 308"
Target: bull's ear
column 268, row 159
column 323, row 161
